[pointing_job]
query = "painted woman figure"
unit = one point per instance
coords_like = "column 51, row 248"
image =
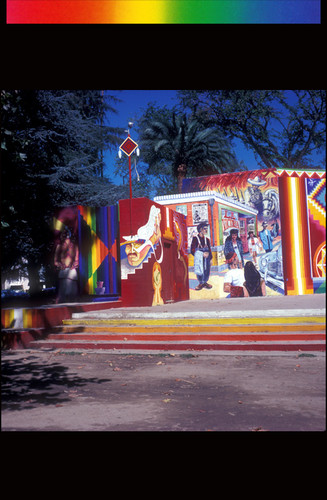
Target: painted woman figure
column 66, row 262
column 233, row 244
column 157, row 285
column 234, row 278
column 254, row 246
column 254, row 285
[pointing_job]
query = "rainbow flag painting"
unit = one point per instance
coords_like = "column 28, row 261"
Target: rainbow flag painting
column 98, row 256
column 163, row 12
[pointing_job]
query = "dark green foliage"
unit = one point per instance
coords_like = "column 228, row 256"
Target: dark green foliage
column 175, row 145
column 283, row 128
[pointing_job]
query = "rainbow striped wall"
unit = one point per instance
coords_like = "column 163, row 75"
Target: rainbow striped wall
column 316, row 197
column 26, row 318
column 297, row 265
column 163, row 11
column 97, row 241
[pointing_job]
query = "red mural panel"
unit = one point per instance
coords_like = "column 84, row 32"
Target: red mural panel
column 153, row 250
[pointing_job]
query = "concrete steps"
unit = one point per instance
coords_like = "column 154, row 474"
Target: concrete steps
column 258, row 332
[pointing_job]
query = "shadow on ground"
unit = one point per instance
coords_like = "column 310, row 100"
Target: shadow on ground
column 30, row 382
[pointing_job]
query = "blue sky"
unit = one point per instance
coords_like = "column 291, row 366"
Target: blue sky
column 134, row 102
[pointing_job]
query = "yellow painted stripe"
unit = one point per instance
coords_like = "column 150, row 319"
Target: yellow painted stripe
column 27, row 318
column 200, row 321
column 8, row 317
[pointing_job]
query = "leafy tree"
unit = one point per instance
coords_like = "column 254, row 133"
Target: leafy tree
column 284, row 129
column 176, row 145
column 51, row 156
column 142, row 182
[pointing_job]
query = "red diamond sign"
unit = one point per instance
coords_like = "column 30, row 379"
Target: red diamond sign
column 128, row 146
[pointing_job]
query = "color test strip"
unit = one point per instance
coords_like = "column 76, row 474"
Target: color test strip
column 163, row 11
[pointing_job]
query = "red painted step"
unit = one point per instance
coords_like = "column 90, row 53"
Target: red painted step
column 181, row 346
column 305, row 337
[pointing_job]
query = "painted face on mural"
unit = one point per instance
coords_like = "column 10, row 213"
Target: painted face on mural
column 136, row 252
column 147, row 238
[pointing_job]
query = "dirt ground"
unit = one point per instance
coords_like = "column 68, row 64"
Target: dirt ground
column 101, row 391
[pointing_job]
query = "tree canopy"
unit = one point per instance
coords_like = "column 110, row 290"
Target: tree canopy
column 283, row 128
column 175, row 144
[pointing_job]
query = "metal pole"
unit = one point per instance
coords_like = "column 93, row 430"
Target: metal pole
column 130, row 177
column 130, row 189
column 130, row 193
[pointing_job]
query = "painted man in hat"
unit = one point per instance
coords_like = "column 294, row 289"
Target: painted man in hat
column 266, row 238
column 201, row 249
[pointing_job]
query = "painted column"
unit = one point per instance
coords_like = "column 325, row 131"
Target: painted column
column 295, row 236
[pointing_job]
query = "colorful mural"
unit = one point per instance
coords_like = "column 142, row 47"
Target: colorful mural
column 273, row 219
column 99, row 258
column 257, row 189
column 290, row 227
column 153, row 253
column 95, row 232
column 303, row 206
column 316, row 198
column 149, row 268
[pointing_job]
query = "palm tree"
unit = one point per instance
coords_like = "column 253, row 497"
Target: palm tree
column 188, row 147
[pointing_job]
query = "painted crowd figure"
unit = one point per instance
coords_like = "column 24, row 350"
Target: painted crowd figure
column 254, row 246
column 254, row 285
column 234, row 278
column 266, row 237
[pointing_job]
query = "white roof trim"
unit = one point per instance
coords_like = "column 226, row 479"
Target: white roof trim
column 173, row 199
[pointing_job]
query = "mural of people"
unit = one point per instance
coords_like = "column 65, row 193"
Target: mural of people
column 233, row 243
column 66, row 262
column 257, row 190
column 201, row 250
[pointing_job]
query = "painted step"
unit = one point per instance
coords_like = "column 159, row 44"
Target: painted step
column 182, row 346
column 148, row 330
column 289, row 334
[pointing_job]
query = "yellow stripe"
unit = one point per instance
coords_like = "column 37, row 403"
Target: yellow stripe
column 200, row 321
column 27, row 318
column 9, row 317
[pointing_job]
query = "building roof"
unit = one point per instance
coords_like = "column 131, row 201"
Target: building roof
column 175, row 199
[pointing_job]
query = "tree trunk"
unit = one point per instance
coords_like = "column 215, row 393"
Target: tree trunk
column 181, row 174
column 34, row 279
